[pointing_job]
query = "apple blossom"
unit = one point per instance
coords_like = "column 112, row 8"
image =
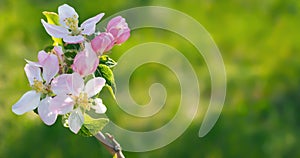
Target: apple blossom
column 39, row 75
column 119, row 29
column 68, row 29
column 75, row 97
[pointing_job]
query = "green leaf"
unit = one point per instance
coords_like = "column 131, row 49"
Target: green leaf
column 52, row 18
column 106, row 60
column 92, row 126
column 105, row 72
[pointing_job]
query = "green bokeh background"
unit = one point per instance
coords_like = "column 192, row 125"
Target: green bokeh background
column 260, row 45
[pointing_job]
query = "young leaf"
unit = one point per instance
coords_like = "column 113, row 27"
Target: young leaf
column 52, row 18
column 105, row 72
column 92, row 126
column 106, row 60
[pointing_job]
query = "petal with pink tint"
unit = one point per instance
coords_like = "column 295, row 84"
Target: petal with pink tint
column 50, row 67
column 59, row 52
column 102, row 43
column 54, row 30
column 76, row 84
column 61, row 104
column 32, row 73
column 123, row 37
column 86, row 61
column 48, row 116
column 29, row 101
column 89, row 26
column 76, row 120
column 59, row 85
column 42, row 55
column 114, row 21
column 73, row 39
column 94, row 86
column 119, row 29
column 36, row 64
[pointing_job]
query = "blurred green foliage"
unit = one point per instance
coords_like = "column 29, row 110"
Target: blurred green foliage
column 260, row 45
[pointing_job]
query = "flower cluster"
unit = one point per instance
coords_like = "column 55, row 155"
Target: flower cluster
column 68, row 77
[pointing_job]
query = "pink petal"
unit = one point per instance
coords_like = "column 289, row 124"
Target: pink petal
column 123, row 37
column 50, row 67
column 119, row 29
column 94, row 86
column 29, row 101
column 54, row 30
column 73, row 39
column 114, row 21
column 86, row 61
column 59, row 85
column 102, row 43
column 42, row 55
column 66, row 11
column 61, row 104
column 89, row 26
column 59, row 52
column 76, row 84
column 48, row 116
column 76, row 120
column 99, row 107
column 67, row 84
column 36, row 64
column 32, row 73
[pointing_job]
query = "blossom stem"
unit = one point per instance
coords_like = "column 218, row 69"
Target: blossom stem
column 110, row 144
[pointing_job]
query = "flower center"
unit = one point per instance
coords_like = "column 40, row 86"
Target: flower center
column 38, row 86
column 72, row 23
column 83, row 100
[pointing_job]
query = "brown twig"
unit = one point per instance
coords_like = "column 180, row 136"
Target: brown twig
column 110, row 144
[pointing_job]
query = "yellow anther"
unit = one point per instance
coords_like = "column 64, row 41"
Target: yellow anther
column 38, row 86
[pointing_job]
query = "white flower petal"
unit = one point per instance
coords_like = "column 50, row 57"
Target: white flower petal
column 61, row 104
column 48, row 116
column 54, row 30
column 32, row 72
column 29, row 101
column 99, row 107
column 66, row 11
column 73, row 39
column 59, row 84
column 36, row 64
column 89, row 26
column 76, row 120
column 76, row 84
column 94, row 86
column 50, row 67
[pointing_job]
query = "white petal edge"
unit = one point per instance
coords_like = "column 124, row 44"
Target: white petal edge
column 94, row 86
column 76, row 120
column 54, row 30
column 73, row 39
column 29, row 101
column 33, row 73
column 89, row 26
column 48, row 117
column 50, row 67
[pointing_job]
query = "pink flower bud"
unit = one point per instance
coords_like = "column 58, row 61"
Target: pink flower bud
column 86, row 61
column 119, row 29
column 102, row 43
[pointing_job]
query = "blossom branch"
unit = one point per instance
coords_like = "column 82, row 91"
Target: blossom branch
column 110, row 144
